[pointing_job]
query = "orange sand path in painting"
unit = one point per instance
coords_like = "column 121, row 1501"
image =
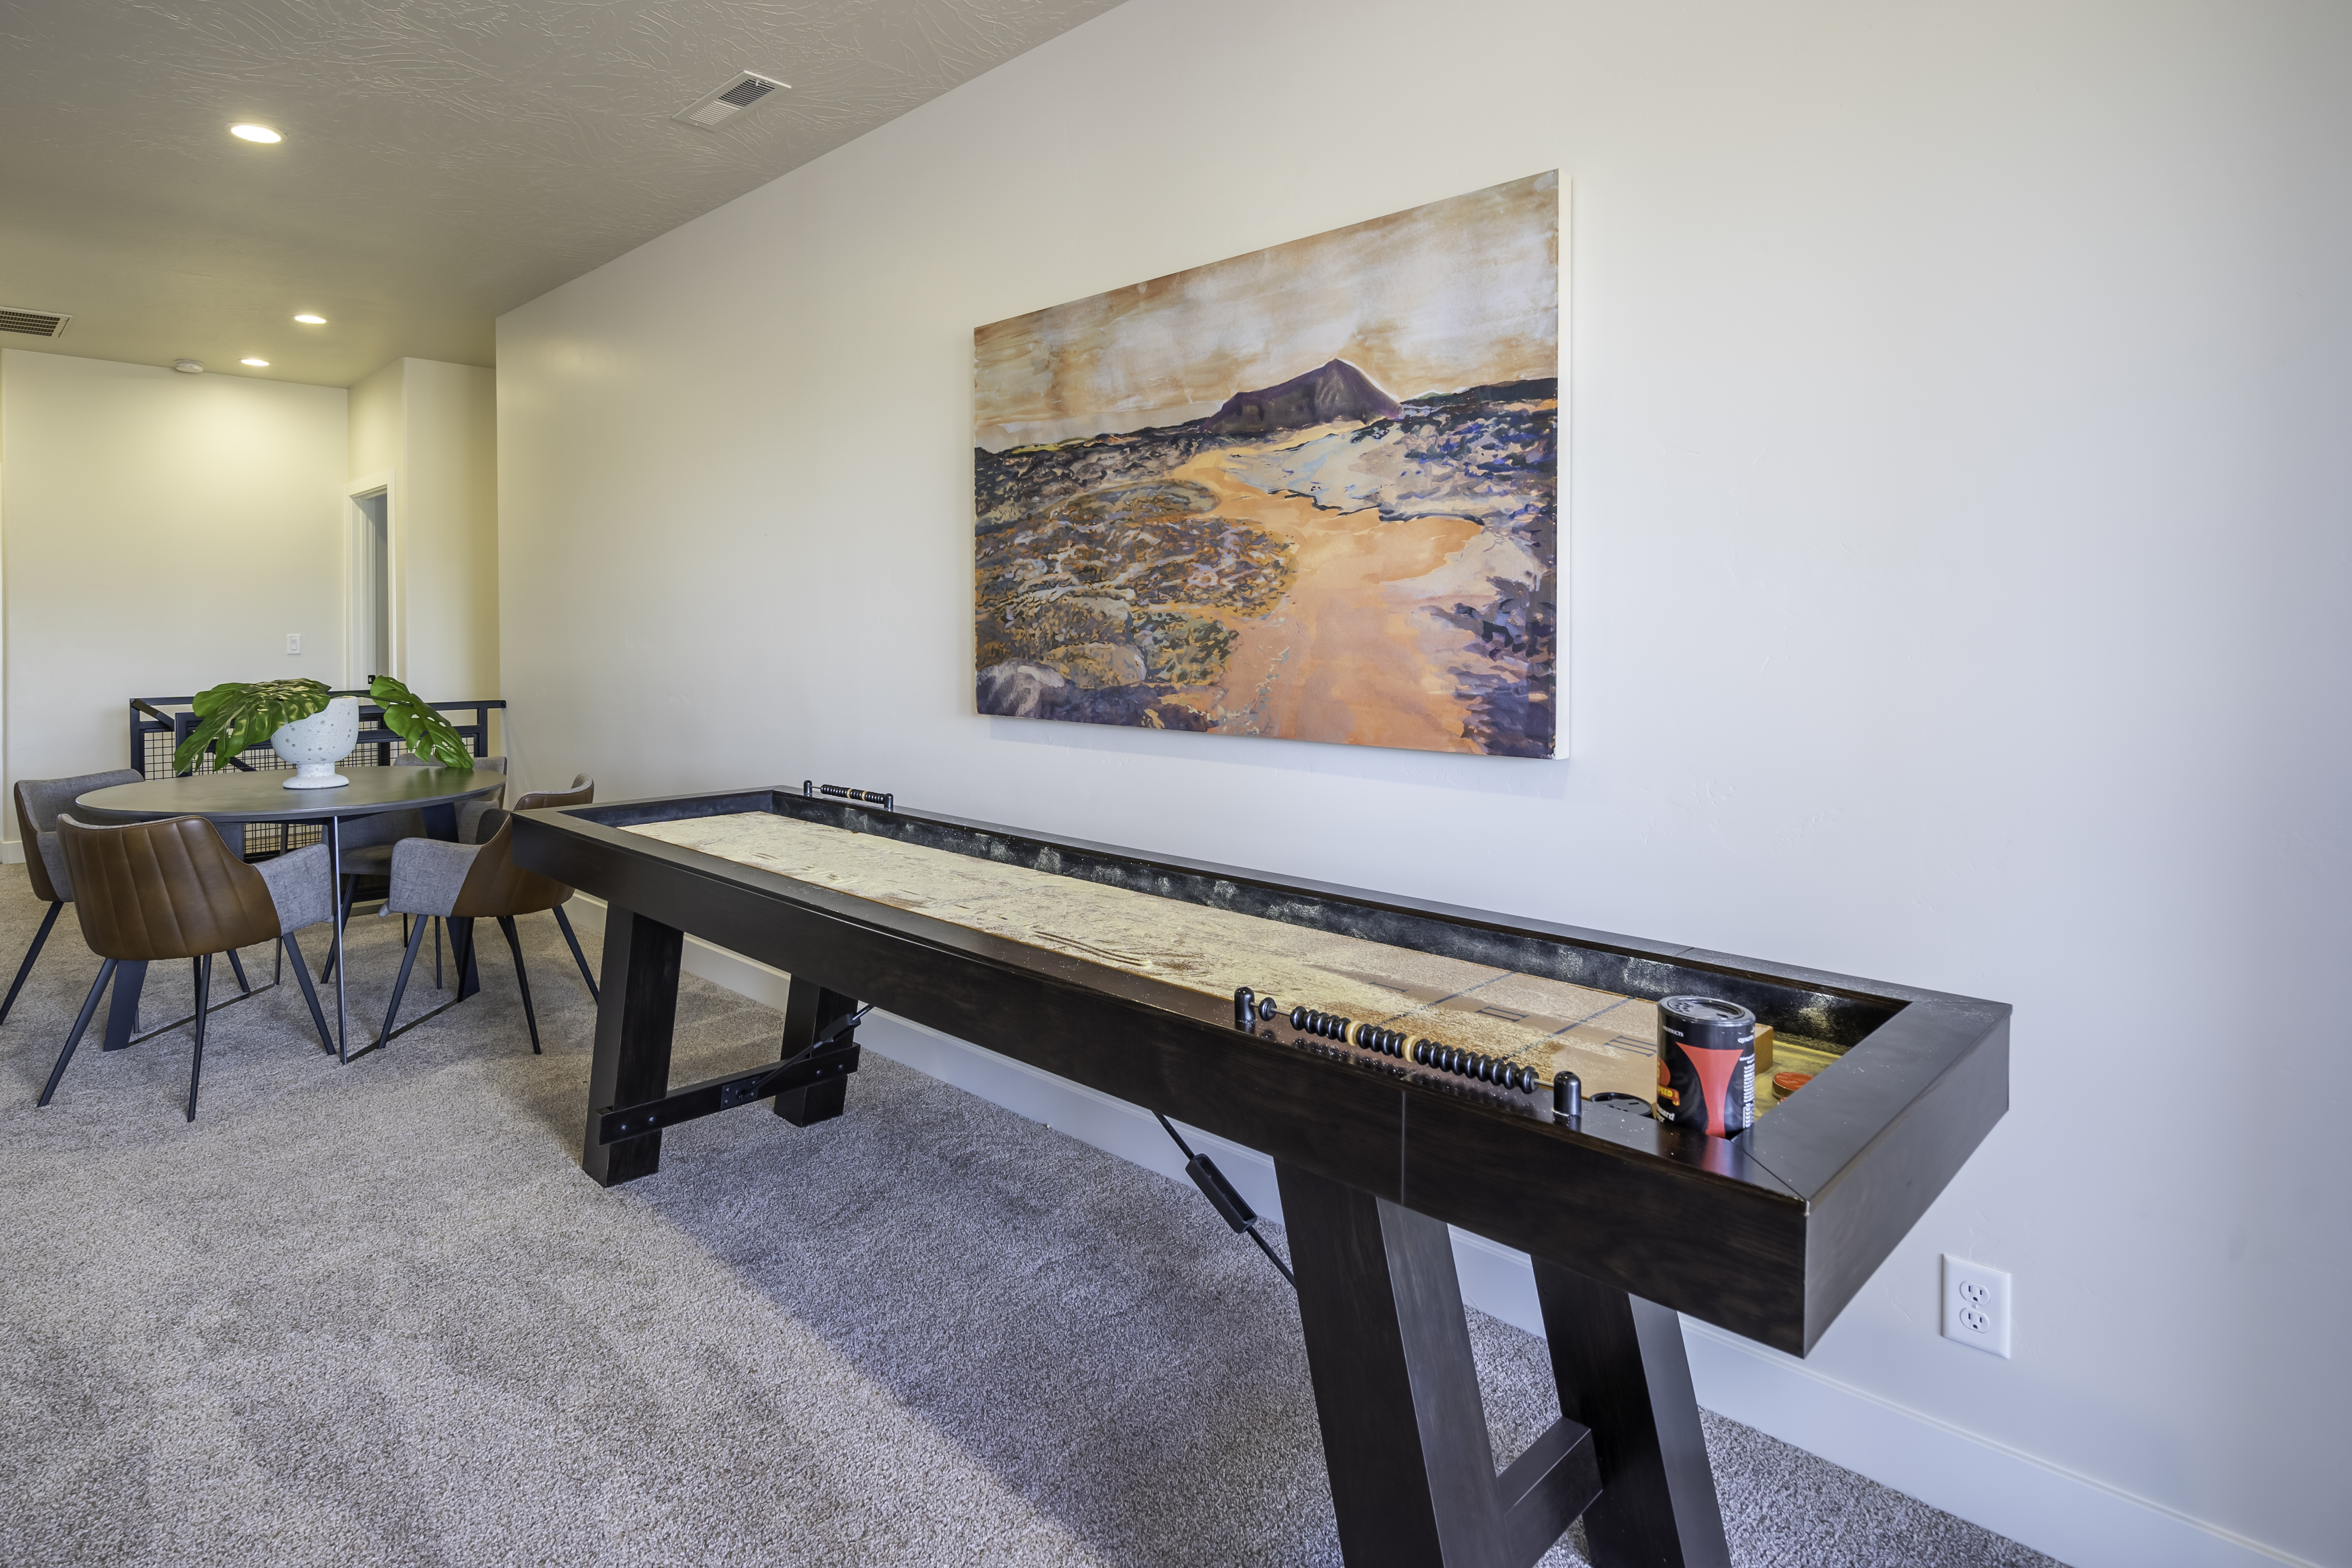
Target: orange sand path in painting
column 1362, row 665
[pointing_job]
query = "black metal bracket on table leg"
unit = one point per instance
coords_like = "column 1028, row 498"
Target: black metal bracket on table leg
column 633, row 1020
column 716, row 1094
column 1404, row 1430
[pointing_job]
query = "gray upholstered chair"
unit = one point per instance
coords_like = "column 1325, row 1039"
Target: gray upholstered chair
column 367, row 841
column 466, row 882
column 38, row 804
column 154, row 891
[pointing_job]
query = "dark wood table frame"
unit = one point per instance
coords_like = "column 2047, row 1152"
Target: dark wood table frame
column 240, row 798
column 1630, row 1221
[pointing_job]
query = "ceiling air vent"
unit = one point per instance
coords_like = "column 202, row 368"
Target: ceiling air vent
column 737, row 93
column 39, row 324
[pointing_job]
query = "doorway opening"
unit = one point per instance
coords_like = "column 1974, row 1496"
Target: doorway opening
column 374, row 644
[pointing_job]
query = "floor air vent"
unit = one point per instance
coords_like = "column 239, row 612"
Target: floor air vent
column 740, row 92
column 39, row 324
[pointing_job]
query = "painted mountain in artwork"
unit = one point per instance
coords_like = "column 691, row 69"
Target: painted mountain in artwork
column 1336, row 390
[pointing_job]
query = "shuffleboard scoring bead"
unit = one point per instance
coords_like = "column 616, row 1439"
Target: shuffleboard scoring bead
column 1298, row 1017
column 1267, row 1008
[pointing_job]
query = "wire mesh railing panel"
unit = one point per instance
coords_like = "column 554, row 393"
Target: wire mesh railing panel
column 158, row 725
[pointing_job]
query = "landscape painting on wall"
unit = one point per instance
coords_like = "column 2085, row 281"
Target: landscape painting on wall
column 1310, row 492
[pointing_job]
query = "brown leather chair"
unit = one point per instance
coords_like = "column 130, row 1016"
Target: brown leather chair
column 466, row 882
column 38, row 804
column 147, row 891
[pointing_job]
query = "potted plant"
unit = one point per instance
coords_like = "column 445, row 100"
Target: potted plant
column 310, row 727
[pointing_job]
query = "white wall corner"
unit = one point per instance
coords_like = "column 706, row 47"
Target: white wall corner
column 2073, row 1518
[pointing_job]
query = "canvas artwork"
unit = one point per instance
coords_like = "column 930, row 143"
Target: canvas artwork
column 1311, row 492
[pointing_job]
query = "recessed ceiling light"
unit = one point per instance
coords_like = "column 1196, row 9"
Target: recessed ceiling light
column 308, row 319
column 255, row 133
column 256, row 363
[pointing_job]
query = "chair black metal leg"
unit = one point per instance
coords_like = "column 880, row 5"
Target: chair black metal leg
column 310, row 992
column 31, row 953
column 89, row 1007
column 236, row 967
column 204, row 1007
column 437, row 954
column 351, row 897
column 522, row 979
column 578, row 957
column 399, row 986
column 465, row 956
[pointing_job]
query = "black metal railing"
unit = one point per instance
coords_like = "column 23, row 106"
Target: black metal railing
column 159, row 724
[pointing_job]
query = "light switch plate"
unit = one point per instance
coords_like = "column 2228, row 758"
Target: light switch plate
column 293, row 642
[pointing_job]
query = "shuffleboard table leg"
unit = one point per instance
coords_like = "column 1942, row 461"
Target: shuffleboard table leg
column 808, row 1008
column 1404, row 1431
column 1623, row 1372
column 636, row 1010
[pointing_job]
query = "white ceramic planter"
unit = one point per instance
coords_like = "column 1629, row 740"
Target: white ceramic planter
column 314, row 745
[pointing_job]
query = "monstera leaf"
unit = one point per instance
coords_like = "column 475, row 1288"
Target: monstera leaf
column 427, row 734
column 241, row 713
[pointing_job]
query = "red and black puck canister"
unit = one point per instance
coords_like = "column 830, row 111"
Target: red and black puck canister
column 1706, row 1064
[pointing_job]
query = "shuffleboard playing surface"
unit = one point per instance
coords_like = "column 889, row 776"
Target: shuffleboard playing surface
column 1607, row 1040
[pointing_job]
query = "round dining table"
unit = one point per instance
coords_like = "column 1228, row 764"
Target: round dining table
column 235, row 795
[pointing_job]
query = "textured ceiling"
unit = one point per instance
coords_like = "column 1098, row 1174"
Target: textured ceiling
column 444, row 160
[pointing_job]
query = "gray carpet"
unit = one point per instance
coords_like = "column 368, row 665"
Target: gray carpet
column 375, row 1315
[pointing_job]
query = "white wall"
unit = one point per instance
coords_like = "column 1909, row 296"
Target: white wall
column 1954, row 545
column 162, row 534
column 432, row 428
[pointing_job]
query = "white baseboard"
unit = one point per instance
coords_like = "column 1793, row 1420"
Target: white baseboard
column 2073, row 1518
column 12, row 852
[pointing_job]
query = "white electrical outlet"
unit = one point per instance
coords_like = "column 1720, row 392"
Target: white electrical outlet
column 1976, row 1305
column 293, row 642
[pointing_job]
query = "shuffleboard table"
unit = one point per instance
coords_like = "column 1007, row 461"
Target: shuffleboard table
column 1396, row 1059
